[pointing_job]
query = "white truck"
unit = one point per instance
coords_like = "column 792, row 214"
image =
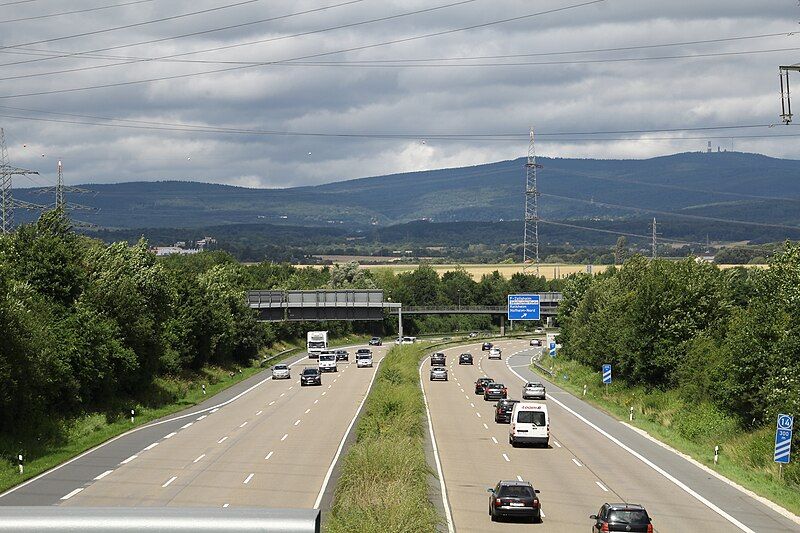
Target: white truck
column 317, row 341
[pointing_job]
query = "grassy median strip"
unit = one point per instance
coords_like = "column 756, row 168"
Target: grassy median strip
column 692, row 428
column 383, row 484
column 168, row 395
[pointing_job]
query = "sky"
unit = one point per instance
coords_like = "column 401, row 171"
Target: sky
column 278, row 93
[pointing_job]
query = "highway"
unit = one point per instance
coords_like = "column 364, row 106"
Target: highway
column 592, row 459
column 262, row 443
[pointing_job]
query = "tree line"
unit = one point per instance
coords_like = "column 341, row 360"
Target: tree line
column 728, row 337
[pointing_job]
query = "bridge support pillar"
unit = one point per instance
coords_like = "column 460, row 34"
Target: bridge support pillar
column 400, row 323
column 502, row 325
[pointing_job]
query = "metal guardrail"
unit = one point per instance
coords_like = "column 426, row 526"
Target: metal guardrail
column 157, row 520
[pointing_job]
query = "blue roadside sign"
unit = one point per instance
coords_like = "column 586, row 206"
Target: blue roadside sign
column 523, row 307
column 606, row 374
column 783, row 439
column 552, row 348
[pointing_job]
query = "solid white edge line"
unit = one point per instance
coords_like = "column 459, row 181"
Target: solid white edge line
column 648, row 462
column 328, row 474
column 104, row 474
column 212, row 409
column 71, row 494
column 443, row 488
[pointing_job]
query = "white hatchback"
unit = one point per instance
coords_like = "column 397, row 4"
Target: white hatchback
column 530, row 424
column 495, row 353
column 281, row 372
column 364, row 360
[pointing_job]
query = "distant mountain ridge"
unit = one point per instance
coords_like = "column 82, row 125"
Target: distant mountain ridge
column 735, row 185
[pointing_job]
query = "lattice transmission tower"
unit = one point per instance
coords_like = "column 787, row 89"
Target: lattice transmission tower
column 59, row 190
column 7, row 202
column 530, row 253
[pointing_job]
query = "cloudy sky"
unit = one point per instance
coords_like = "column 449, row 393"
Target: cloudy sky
column 276, row 93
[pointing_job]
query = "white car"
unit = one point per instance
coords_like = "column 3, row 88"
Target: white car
column 363, row 359
column 534, row 391
column 406, row 340
column 495, row 353
column 281, row 371
column 530, row 424
column 327, row 362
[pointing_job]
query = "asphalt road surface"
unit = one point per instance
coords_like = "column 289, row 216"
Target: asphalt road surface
column 262, row 443
column 592, row 459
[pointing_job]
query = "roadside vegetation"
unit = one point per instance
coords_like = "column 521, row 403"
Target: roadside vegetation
column 383, row 484
column 705, row 357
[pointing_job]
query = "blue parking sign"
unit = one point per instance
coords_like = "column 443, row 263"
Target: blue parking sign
column 606, row 374
column 783, row 439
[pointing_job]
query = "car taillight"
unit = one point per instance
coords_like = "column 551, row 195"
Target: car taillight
column 649, row 528
column 535, row 504
column 604, row 527
column 505, row 391
column 498, row 503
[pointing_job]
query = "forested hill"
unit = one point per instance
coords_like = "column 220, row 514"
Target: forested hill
column 727, row 185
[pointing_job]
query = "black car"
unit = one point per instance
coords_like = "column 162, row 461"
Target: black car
column 487, row 346
column 481, row 384
column 514, row 499
column 342, row 355
column 622, row 517
column 465, row 359
column 376, row 341
column 438, row 359
column 495, row 391
column 502, row 411
column 310, row 376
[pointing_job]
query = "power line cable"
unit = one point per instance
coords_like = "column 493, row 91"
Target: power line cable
column 309, row 56
column 76, row 11
column 17, row 2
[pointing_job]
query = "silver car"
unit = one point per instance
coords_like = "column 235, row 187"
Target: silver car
column 534, row 391
column 281, row 372
column 439, row 373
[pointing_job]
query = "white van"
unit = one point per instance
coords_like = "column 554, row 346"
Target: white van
column 327, row 362
column 363, row 359
column 530, row 424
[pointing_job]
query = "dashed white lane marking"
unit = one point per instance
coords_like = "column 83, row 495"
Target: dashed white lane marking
column 199, row 418
column 601, row 486
column 150, row 447
column 104, row 474
column 466, row 396
column 494, row 440
column 225, row 505
column 169, row 436
column 485, row 426
column 479, row 415
column 519, row 478
column 169, row 481
column 215, row 410
column 542, row 513
column 558, row 444
column 223, row 439
column 186, row 425
column 283, row 394
column 506, row 458
column 308, row 411
column 243, row 424
column 268, row 456
column 129, row 459
column 324, row 393
column 258, row 413
column 248, row 478
column 329, row 386
column 199, row 457
column 577, row 463
column 272, row 403
column 297, row 422
column 462, row 390
column 290, row 388
column 286, row 436
column 71, row 494
column 472, row 405
column 316, row 402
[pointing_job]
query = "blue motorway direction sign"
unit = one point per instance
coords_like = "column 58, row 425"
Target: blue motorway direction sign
column 783, row 439
column 606, row 374
column 523, row 307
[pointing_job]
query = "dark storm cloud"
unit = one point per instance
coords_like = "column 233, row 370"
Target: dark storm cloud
column 423, row 101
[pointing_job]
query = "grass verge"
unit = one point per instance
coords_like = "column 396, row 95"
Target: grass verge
column 691, row 428
column 383, row 484
column 167, row 395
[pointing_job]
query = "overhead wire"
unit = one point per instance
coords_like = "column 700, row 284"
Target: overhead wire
column 75, row 11
column 310, row 56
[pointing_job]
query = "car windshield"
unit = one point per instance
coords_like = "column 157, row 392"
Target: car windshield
column 536, row 418
column 326, row 357
column 281, row 367
column 633, row 517
column 310, row 372
column 363, row 355
column 534, row 385
column 515, row 491
column 495, row 386
column 315, row 344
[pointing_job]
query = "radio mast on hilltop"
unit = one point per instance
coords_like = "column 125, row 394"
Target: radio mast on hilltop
column 530, row 253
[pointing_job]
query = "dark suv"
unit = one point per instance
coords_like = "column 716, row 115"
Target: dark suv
column 465, row 359
column 310, row 376
column 495, row 391
column 502, row 411
column 438, row 359
column 514, row 499
column 342, row 355
column 481, row 384
column 622, row 517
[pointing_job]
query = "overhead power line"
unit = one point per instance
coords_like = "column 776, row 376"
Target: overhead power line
column 311, row 56
column 75, row 11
